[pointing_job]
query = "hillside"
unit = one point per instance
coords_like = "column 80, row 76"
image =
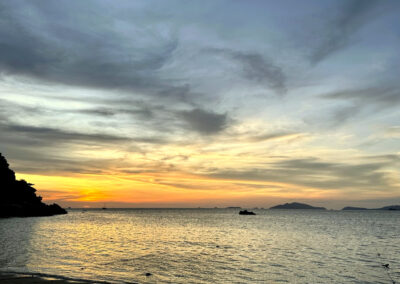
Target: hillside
column 18, row 197
column 296, row 205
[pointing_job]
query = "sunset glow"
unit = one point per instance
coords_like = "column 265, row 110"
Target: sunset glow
column 168, row 104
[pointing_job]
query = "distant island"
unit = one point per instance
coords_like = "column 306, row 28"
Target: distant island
column 354, row 208
column 391, row 207
column 296, row 205
column 18, row 197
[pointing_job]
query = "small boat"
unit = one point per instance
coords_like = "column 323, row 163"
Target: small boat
column 245, row 212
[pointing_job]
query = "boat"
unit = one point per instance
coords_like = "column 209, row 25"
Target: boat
column 245, row 212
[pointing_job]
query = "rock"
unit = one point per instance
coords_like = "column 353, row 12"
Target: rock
column 245, row 212
column 18, row 197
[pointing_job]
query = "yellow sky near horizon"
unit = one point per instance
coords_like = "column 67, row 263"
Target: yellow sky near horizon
column 164, row 189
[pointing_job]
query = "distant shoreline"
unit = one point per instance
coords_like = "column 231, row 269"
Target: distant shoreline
column 111, row 209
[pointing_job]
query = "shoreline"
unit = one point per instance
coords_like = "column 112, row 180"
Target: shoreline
column 13, row 277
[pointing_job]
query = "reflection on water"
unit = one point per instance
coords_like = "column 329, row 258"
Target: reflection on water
column 15, row 241
column 206, row 246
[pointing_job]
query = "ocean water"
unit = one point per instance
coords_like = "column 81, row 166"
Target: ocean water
column 206, row 246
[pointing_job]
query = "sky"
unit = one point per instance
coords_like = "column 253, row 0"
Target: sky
column 202, row 103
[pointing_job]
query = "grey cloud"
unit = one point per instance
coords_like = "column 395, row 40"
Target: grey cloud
column 57, row 135
column 205, row 122
column 84, row 52
column 149, row 115
column 337, row 33
column 272, row 136
column 8, row 109
column 98, row 111
column 344, row 114
column 381, row 96
column 389, row 158
column 44, row 136
column 144, row 113
column 361, row 103
column 257, row 68
column 393, row 131
column 34, row 162
column 316, row 173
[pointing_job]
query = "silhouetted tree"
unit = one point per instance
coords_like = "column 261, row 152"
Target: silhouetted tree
column 18, row 197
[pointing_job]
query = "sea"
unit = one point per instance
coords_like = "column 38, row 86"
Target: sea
column 206, row 246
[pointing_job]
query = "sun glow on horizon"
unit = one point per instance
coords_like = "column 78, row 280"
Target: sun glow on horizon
column 169, row 188
column 179, row 105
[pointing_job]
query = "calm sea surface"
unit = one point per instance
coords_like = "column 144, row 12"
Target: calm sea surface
column 206, row 246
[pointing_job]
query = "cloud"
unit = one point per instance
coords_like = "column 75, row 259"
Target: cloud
column 32, row 162
column 337, row 33
column 393, row 131
column 344, row 114
column 138, row 112
column 256, row 68
column 34, row 136
column 313, row 172
column 381, row 96
column 274, row 136
column 205, row 122
column 86, row 52
column 56, row 135
column 359, row 102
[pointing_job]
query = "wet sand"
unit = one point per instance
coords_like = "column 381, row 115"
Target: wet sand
column 11, row 278
column 25, row 279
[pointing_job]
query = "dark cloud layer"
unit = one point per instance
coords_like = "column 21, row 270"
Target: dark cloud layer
column 205, row 122
column 383, row 96
column 336, row 33
column 62, row 52
column 363, row 102
column 256, row 68
column 57, row 135
column 313, row 172
column 272, row 136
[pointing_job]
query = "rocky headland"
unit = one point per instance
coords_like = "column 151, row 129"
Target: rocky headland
column 18, row 197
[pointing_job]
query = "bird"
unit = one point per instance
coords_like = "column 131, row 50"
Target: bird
column 386, row 265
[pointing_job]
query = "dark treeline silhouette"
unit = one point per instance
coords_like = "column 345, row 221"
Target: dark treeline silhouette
column 18, row 197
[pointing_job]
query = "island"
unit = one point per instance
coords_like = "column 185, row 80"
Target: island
column 390, row 207
column 354, row 208
column 18, row 197
column 296, row 205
